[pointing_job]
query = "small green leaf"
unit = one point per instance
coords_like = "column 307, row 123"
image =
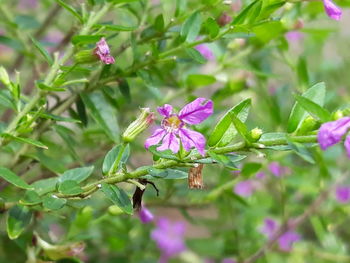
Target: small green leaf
column 223, row 159
column 50, row 116
column 250, row 168
column 211, row 27
column 19, row 217
column 171, row 174
column 240, row 127
column 159, row 23
column 191, row 27
column 26, row 140
column 303, row 74
column 70, row 9
column 195, row 55
column 30, row 198
column 225, row 131
column 118, row 197
column 52, row 202
column 111, row 157
column 85, row 39
column 43, row 86
column 313, row 108
column 14, row 179
column 197, row 80
column 316, row 94
column 77, row 174
column 246, row 13
column 167, row 154
column 117, row 28
column 69, row 187
column 45, row 186
column 42, row 51
column 302, row 151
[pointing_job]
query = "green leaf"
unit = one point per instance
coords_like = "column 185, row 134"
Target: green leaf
column 43, row 86
column 50, row 163
column 191, row 27
column 303, row 74
column 52, row 202
column 117, row 28
column 211, row 27
column 167, row 154
column 85, row 39
column 302, row 151
column 30, row 198
column 12, row 43
column 69, row 187
column 111, row 156
column 19, row 217
column 118, row 197
column 53, row 117
column 250, row 168
column 195, row 55
column 124, row 89
column 313, row 108
column 159, row 23
column 316, row 94
column 225, row 131
column 241, row 127
column 42, row 51
column 71, row 10
column 45, row 186
column 77, row 174
column 224, row 159
column 26, row 140
column 198, row 80
column 25, row 22
column 103, row 113
column 14, row 179
column 246, row 12
column 170, row 174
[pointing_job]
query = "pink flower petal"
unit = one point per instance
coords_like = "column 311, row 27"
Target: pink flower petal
column 332, row 10
column 165, row 110
column 342, row 194
column 287, row 240
column 205, row 51
column 332, row 132
column 170, row 142
column 196, row 111
column 103, row 52
column 156, row 137
column 191, row 139
column 347, row 145
column 145, row 215
column 244, row 188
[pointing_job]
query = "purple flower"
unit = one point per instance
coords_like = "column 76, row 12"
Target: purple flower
column 342, row 194
column 228, row 260
column 286, row 240
column 332, row 10
column 205, row 51
column 332, row 132
column 294, row 36
column 26, row 4
column 169, row 238
column 260, row 175
column 174, row 127
column 244, row 188
column 145, row 215
column 276, row 169
column 103, row 52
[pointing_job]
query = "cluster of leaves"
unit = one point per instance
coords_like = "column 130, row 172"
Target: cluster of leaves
column 62, row 112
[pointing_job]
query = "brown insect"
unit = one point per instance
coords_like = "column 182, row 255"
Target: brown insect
column 137, row 197
column 195, row 178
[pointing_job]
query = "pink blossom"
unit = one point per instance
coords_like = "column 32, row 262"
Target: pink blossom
column 26, row 4
column 342, row 194
column 173, row 127
column 145, row 215
column 103, row 52
column 294, row 36
column 332, row 133
column 276, row 169
column 260, row 175
column 205, row 51
column 332, row 10
column 169, row 238
column 244, row 188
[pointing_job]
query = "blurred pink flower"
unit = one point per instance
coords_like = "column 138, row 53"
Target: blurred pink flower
column 294, row 36
column 228, row 260
column 342, row 193
column 332, row 10
column 26, row 4
column 260, row 175
column 276, row 169
column 205, row 51
column 169, row 238
column 145, row 215
column 244, row 188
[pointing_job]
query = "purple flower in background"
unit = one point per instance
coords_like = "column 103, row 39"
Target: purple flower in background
column 228, row 260
column 287, row 240
column 332, row 133
column 205, row 51
column 260, row 175
column 174, row 127
column 342, row 194
column 332, row 10
column 169, row 238
column 26, row 4
column 145, row 215
column 276, row 169
column 244, row 188
column 103, row 52
column 294, row 36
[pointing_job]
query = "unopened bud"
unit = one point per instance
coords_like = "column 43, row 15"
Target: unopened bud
column 85, row 57
column 224, row 19
column 256, row 134
column 299, row 24
column 309, row 124
column 4, row 77
column 143, row 121
column 337, row 115
column 115, row 210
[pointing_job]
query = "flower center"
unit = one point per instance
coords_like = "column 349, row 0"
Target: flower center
column 172, row 123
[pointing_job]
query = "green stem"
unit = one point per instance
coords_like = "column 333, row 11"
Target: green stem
column 117, row 160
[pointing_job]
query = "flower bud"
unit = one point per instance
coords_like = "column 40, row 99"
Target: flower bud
column 256, row 134
column 85, row 57
column 337, row 115
column 309, row 124
column 224, row 19
column 143, row 121
column 4, row 77
column 115, row 210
